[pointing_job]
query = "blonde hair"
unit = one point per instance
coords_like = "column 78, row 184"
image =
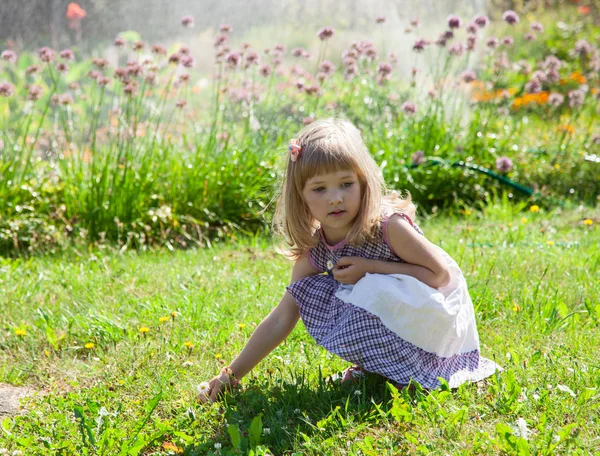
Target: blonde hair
column 328, row 146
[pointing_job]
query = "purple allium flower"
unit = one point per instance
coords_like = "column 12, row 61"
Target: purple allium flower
column 265, row 70
column 510, row 17
column 552, row 76
column 150, row 78
column 537, row 27
column 65, row 99
column 187, row 21
column 312, row 90
column 454, row 21
column 159, row 49
column 62, row 67
column 418, row 158
column 35, row 92
column 134, row 69
column 183, row 78
column 441, row 41
column 576, row 98
column 187, row 61
column 220, row 39
column 325, row 33
column 138, row 46
column 448, row 35
column 456, row 49
column 529, row 36
column 103, row 81
column 471, row 28
column 122, row 74
column 524, row 67
column 94, row 74
column 504, row 164
column 533, row 86
column 225, row 28
column 420, row 44
column 471, row 42
column 327, row 67
column 539, row 76
column 468, row 76
column 6, row 89
column 508, row 41
column 583, row 47
column 130, row 89
column 279, row 49
column 100, row 63
column 33, row 69
column 46, row 54
column 119, row 42
column 380, row 19
column 414, row 22
column 252, row 58
column 299, row 52
column 552, row 63
column 481, row 21
column 556, row 99
column 9, row 56
column 175, row 58
column 181, row 104
column 409, row 107
column 492, row 42
column 384, row 69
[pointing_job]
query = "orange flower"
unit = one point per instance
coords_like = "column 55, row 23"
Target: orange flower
column 74, row 11
column 568, row 128
column 584, row 10
column 578, row 77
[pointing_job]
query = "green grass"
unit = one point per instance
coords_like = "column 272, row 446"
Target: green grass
column 533, row 284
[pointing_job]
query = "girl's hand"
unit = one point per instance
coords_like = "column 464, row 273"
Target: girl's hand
column 350, row 270
column 215, row 387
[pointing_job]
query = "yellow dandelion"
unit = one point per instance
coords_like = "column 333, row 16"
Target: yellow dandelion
column 47, row 353
column 534, row 208
column 241, row 325
column 524, row 220
column 144, row 329
column 516, row 308
column 509, row 225
column 173, row 314
column 89, row 345
column 588, row 222
column 20, row 332
column 557, row 166
column 550, row 243
column 218, row 356
column 163, row 319
column 189, row 345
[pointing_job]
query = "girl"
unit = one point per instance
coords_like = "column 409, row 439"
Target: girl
column 367, row 284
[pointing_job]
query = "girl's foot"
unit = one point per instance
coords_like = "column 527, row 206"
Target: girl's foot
column 352, row 374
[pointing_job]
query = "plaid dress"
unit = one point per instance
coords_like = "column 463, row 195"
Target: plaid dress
column 360, row 337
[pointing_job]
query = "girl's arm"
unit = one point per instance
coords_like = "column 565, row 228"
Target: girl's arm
column 423, row 260
column 274, row 328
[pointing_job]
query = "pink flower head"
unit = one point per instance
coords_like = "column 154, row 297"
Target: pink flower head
column 187, row 21
column 533, row 86
column 100, row 63
column 507, row 41
column 6, row 89
column 414, row 22
column 295, row 149
column 384, row 69
column 65, row 99
column 471, row 28
column 576, row 98
column 418, row 158
column 481, row 21
column 510, row 17
column 130, row 89
column 265, row 70
column 537, row 27
column 327, row 67
column 62, row 67
column 492, row 42
column 33, row 69
column 420, row 44
column 468, row 76
column 35, row 92
column 504, row 164
column 325, row 33
column 181, row 104
column 9, row 56
column 46, row 54
column 409, row 108
column 233, row 59
column 454, row 21
column 225, row 28
column 556, row 99
column 456, row 49
column 471, row 42
column 138, row 46
column 159, row 49
column 252, row 58
column 187, row 61
column 380, row 19
column 119, row 42
column 529, row 36
column 220, row 39
column 583, row 47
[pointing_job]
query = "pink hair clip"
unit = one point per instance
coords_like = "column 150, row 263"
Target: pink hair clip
column 295, row 149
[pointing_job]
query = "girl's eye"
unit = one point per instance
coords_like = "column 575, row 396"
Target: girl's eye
column 348, row 184
column 318, row 189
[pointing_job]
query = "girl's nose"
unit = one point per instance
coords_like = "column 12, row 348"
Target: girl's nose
column 335, row 199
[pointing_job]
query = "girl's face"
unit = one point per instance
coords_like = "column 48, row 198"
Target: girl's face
column 334, row 200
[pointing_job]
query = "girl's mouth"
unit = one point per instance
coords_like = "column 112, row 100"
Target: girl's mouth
column 337, row 214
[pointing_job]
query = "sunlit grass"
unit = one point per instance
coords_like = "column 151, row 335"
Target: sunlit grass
column 112, row 335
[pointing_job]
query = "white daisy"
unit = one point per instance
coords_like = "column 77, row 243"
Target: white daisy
column 203, row 389
column 330, row 265
column 217, row 446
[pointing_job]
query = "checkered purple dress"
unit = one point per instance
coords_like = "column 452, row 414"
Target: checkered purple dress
column 358, row 336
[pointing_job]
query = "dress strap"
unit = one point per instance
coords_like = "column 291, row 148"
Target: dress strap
column 384, row 227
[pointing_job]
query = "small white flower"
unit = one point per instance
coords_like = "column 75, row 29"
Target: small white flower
column 3, row 451
column 357, row 392
column 217, row 446
column 566, row 389
column 297, row 410
column 330, row 265
column 266, row 431
column 536, row 396
column 17, row 453
column 521, row 429
column 187, row 363
column 203, row 388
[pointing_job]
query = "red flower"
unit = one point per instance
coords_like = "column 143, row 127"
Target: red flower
column 74, row 11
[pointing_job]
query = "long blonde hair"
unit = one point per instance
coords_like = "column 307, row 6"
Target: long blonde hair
column 328, row 146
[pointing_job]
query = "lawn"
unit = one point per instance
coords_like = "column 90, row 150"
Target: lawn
column 115, row 343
